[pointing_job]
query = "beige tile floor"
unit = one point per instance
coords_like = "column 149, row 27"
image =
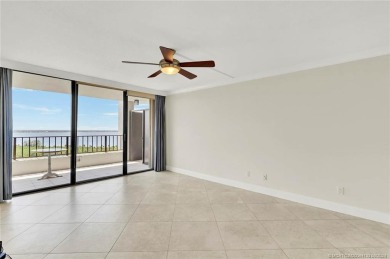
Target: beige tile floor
column 167, row 215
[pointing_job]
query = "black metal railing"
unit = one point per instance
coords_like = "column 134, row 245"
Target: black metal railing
column 27, row 147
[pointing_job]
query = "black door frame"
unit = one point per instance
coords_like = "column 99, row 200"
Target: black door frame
column 73, row 133
column 73, row 141
column 125, row 129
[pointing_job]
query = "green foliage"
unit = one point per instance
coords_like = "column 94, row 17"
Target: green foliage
column 26, row 152
column 33, row 143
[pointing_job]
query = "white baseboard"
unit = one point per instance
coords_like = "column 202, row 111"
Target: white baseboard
column 324, row 204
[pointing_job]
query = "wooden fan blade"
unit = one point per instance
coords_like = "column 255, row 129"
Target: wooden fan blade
column 155, row 74
column 208, row 63
column 167, row 53
column 187, row 74
column 141, row 63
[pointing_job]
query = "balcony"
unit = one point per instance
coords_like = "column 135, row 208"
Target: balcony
column 97, row 156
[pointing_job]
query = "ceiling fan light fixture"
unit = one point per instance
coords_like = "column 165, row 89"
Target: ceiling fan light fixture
column 170, row 68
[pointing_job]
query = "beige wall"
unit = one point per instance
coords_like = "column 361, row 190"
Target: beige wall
column 309, row 131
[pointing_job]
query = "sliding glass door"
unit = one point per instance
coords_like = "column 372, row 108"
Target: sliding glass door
column 65, row 132
column 41, row 132
column 99, row 133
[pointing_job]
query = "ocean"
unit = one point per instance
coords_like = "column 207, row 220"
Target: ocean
column 54, row 133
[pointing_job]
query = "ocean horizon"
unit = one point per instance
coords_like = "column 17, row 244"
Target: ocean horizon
column 57, row 133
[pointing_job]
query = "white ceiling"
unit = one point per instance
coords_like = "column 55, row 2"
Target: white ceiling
column 247, row 40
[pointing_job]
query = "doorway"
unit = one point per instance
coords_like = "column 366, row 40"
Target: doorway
column 139, row 134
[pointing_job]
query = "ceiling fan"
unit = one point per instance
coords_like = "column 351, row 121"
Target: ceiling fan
column 170, row 66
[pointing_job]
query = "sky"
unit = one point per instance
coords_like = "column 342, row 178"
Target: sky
column 41, row 110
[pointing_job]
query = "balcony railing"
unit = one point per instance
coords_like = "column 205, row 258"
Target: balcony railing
column 26, row 147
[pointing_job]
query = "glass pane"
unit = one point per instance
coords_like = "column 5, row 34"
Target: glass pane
column 99, row 133
column 139, row 130
column 41, row 132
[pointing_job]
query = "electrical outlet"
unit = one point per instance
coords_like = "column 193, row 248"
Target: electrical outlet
column 340, row 190
column 248, row 173
column 265, row 177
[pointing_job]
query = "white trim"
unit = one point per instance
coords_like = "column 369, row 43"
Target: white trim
column 286, row 70
column 74, row 76
column 264, row 74
column 324, row 204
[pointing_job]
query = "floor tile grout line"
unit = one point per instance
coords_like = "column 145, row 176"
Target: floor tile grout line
column 85, row 221
column 291, row 211
column 59, row 243
column 126, row 224
column 40, row 222
column 318, row 233
column 362, row 230
column 170, row 233
column 269, row 234
column 32, row 225
column 216, row 223
column 80, row 223
column 116, row 240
